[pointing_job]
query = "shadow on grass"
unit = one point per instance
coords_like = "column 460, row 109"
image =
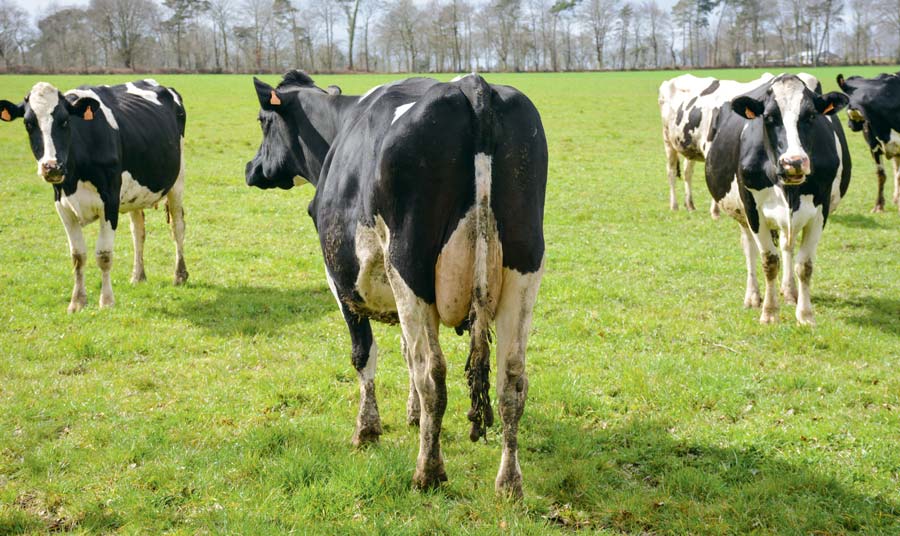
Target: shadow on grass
column 249, row 310
column 858, row 221
column 869, row 311
column 642, row 480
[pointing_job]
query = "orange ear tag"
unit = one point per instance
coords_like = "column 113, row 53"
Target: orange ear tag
column 749, row 113
column 4, row 115
column 829, row 108
column 88, row 114
column 274, row 101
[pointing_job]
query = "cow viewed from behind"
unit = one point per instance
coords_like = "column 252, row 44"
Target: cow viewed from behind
column 429, row 209
column 106, row 150
column 779, row 164
column 874, row 109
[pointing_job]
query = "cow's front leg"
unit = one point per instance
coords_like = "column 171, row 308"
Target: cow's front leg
column 419, row 322
column 138, row 234
column 365, row 358
column 804, row 268
column 788, row 285
column 78, row 250
column 688, row 177
column 751, row 254
column 175, row 215
column 513, row 324
column 882, row 178
column 770, row 264
column 104, row 255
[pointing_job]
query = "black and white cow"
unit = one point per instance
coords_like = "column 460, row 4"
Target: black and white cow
column 779, row 164
column 106, row 150
column 429, row 208
column 688, row 106
column 874, row 109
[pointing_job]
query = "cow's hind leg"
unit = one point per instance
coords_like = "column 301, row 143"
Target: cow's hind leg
column 104, row 253
column 896, row 182
column 788, row 285
column 804, row 269
column 413, row 407
column 513, row 324
column 365, row 359
column 688, row 191
column 419, row 322
column 137, row 236
column 78, row 251
column 175, row 214
column 672, row 172
column 751, row 254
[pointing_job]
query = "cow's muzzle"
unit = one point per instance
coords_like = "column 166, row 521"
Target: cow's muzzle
column 51, row 171
column 794, row 169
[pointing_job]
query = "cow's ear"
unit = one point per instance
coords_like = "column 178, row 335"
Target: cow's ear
column 747, row 107
column 85, row 108
column 269, row 97
column 832, row 103
column 334, row 91
column 10, row 111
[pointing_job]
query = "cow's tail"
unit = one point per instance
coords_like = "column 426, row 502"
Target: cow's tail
column 481, row 316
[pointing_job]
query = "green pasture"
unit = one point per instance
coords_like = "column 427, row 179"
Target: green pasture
column 657, row 403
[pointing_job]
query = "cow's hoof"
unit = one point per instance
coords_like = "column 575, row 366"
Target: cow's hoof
column 77, row 304
column 674, row 206
column 690, row 206
column 367, row 435
column 510, row 486
column 768, row 316
column 106, row 301
column 877, row 208
column 805, row 318
column 751, row 301
column 789, row 295
column 138, row 277
column 430, row 477
column 181, row 277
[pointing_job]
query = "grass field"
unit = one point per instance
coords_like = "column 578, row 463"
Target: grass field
column 657, row 404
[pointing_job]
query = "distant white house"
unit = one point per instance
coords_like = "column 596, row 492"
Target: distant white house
column 809, row 58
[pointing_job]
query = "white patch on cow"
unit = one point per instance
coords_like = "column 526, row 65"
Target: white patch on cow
column 788, row 95
column 892, row 147
column 333, row 288
column 107, row 112
column 367, row 374
column 372, row 283
column 808, row 80
column 367, row 93
column 460, row 77
column 454, row 275
column 145, row 94
column 151, row 82
column 43, row 100
column 732, row 204
column 483, row 173
column 836, row 183
column 134, row 195
column 84, row 204
column 401, row 110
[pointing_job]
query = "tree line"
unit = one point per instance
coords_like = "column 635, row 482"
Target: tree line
column 444, row 35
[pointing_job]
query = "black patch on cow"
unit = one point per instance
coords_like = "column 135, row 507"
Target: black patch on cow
column 691, row 102
column 680, row 114
column 710, row 89
column 688, row 147
column 295, row 78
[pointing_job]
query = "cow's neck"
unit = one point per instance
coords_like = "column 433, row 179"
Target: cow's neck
column 323, row 118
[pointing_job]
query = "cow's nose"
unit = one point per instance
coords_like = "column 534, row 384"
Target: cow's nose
column 48, row 166
column 795, row 165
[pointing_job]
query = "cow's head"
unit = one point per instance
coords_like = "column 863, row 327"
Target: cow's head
column 788, row 109
column 872, row 101
column 281, row 160
column 46, row 114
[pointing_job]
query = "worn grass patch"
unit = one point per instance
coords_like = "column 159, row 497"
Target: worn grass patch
column 658, row 405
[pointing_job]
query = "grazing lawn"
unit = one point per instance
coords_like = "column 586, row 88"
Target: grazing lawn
column 657, row 404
